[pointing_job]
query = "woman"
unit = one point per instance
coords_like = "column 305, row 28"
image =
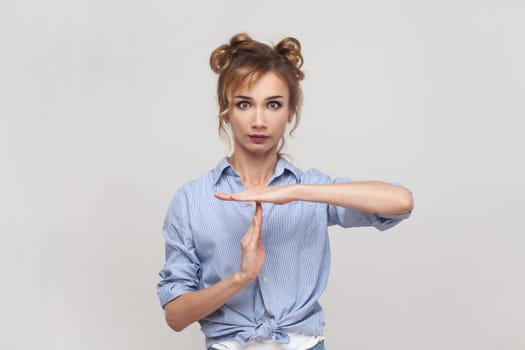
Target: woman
column 263, row 294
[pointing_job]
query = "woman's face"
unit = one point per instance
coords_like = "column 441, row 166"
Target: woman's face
column 259, row 115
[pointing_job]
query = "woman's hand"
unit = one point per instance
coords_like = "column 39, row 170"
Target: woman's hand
column 269, row 194
column 369, row 196
column 194, row 306
column 252, row 248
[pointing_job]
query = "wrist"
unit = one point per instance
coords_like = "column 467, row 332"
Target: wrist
column 242, row 279
column 300, row 192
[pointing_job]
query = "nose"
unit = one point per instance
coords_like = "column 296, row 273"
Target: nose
column 259, row 119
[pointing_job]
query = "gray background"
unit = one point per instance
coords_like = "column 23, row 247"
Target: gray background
column 106, row 107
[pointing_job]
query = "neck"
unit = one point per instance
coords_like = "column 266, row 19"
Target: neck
column 254, row 170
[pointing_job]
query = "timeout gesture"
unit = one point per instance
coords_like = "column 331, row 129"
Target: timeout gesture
column 268, row 194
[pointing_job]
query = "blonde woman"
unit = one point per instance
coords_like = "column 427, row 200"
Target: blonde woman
column 247, row 251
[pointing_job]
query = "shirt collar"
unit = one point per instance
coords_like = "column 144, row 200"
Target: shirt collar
column 224, row 168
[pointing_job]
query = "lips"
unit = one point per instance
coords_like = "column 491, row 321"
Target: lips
column 258, row 138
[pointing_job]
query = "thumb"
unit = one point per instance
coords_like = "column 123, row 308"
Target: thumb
column 257, row 216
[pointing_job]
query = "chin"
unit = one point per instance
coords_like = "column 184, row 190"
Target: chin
column 262, row 150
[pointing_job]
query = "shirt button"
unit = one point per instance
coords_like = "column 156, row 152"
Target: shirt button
column 265, row 279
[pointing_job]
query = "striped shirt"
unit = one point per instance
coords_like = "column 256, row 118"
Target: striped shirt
column 202, row 237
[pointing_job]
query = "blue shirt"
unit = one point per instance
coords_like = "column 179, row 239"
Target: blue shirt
column 203, row 237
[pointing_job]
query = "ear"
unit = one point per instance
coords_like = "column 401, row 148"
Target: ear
column 291, row 114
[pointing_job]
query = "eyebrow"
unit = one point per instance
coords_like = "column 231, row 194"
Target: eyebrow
column 241, row 97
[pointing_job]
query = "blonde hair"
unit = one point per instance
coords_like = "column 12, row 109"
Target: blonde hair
column 244, row 61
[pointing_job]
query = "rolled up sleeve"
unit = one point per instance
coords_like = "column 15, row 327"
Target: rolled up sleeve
column 181, row 271
column 355, row 218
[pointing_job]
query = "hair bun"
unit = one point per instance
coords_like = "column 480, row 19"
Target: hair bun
column 290, row 48
column 240, row 39
column 218, row 58
column 221, row 57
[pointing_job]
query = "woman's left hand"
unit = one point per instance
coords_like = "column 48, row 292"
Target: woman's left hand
column 269, row 194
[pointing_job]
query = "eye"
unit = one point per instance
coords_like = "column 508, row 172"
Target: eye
column 274, row 105
column 243, row 104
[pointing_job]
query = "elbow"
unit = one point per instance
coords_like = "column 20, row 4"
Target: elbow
column 176, row 327
column 406, row 202
column 401, row 201
column 173, row 318
column 174, row 323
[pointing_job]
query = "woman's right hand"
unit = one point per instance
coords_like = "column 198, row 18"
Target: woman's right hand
column 252, row 247
column 195, row 305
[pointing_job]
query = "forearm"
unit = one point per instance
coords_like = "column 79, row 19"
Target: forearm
column 193, row 306
column 371, row 196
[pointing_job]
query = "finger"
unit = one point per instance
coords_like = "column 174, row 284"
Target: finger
column 239, row 197
column 254, row 230
column 257, row 216
column 223, row 196
column 258, row 194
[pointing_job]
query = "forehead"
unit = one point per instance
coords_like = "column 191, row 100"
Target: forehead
column 268, row 84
